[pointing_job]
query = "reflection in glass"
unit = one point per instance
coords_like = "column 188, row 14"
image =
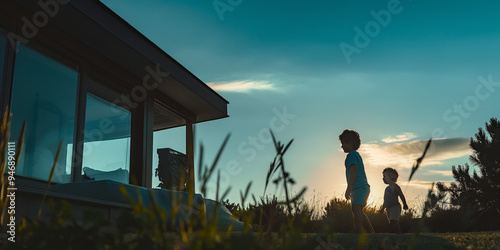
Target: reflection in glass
column 43, row 95
column 170, row 133
column 106, row 151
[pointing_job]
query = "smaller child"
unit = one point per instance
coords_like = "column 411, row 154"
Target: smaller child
column 391, row 202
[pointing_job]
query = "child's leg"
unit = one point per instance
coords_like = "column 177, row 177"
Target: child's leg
column 357, row 212
column 395, row 226
column 367, row 224
column 358, row 199
column 393, row 215
column 361, row 221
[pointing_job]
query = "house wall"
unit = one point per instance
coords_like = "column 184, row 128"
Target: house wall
column 67, row 92
column 29, row 204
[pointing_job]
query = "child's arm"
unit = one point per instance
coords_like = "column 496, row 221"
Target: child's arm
column 402, row 196
column 352, row 177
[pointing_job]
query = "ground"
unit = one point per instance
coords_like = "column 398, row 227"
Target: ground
column 427, row 241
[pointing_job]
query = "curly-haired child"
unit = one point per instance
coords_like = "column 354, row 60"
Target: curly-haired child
column 357, row 184
column 391, row 202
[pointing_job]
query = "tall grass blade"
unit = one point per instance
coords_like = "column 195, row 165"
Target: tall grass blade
column 19, row 147
column 244, row 196
column 219, row 154
column 157, row 211
column 276, row 167
column 269, row 173
column 285, row 185
column 216, row 200
column 276, row 144
column 5, row 133
column 224, row 195
column 52, row 170
column 419, row 160
column 125, row 193
column 208, row 174
column 20, row 142
column 299, row 195
column 201, row 175
column 287, row 146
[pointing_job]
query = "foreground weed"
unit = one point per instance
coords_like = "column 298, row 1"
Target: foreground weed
column 4, row 180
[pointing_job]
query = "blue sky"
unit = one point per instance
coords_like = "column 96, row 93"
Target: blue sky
column 413, row 70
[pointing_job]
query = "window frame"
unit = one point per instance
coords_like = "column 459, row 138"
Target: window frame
column 8, row 72
column 71, row 52
column 49, row 54
column 90, row 80
column 94, row 85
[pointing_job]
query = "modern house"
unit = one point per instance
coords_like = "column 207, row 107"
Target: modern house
column 78, row 73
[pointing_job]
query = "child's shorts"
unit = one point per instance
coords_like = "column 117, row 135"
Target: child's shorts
column 359, row 195
column 393, row 213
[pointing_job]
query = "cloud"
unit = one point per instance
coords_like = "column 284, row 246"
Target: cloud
column 423, row 185
column 439, row 172
column 399, row 138
column 241, row 86
column 404, row 155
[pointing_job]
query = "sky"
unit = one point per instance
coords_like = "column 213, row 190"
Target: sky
column 398, row 72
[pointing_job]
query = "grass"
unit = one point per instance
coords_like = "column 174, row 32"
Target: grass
column 428, row 241
column 277, row 223
column 474, row 240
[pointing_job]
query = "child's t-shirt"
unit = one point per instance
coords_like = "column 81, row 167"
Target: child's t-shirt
column 353, row 157
column 390, row 198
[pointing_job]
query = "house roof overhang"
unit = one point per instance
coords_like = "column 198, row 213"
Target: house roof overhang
column 102, row 30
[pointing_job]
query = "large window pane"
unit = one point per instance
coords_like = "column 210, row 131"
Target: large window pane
column 106, row 151
column 43, row 95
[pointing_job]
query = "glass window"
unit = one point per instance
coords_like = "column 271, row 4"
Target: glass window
column 168, row 145
column 44, row 95
column 106, row 150
column 169, row 149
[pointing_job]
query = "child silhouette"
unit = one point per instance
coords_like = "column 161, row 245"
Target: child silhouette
column 357, row 184
column 391, row 202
